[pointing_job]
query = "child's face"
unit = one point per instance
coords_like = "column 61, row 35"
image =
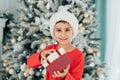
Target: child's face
column 63, row 33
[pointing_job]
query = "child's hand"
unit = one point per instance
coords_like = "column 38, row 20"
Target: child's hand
column 61, row 74
column 45, row 53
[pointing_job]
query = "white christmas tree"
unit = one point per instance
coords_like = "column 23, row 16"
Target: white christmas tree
column 29, row 32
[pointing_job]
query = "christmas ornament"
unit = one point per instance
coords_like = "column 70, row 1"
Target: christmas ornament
column 11, row 71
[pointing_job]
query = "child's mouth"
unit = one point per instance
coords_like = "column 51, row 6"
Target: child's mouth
column 63, row 38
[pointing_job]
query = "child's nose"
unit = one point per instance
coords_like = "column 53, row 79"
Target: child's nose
column 63, row 33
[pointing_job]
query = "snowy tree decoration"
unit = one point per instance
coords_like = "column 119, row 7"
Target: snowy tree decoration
column 29, row 33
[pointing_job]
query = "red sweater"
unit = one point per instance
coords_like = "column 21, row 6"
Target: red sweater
column 76, row 67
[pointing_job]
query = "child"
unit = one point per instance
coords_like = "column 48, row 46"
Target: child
column 63, row 28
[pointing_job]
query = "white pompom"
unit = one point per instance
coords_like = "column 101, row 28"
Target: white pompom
column 11, row 71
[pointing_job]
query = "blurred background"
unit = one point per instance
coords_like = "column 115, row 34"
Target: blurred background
column 24, row 29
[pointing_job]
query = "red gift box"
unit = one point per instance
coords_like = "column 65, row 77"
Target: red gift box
column 57, row 61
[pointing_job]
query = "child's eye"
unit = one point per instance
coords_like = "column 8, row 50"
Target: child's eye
column 67, row 30
column 58, row 30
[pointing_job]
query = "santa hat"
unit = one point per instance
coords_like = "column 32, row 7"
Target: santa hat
column 64, row 15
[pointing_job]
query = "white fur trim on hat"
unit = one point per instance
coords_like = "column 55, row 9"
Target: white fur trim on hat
column 64, row 15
